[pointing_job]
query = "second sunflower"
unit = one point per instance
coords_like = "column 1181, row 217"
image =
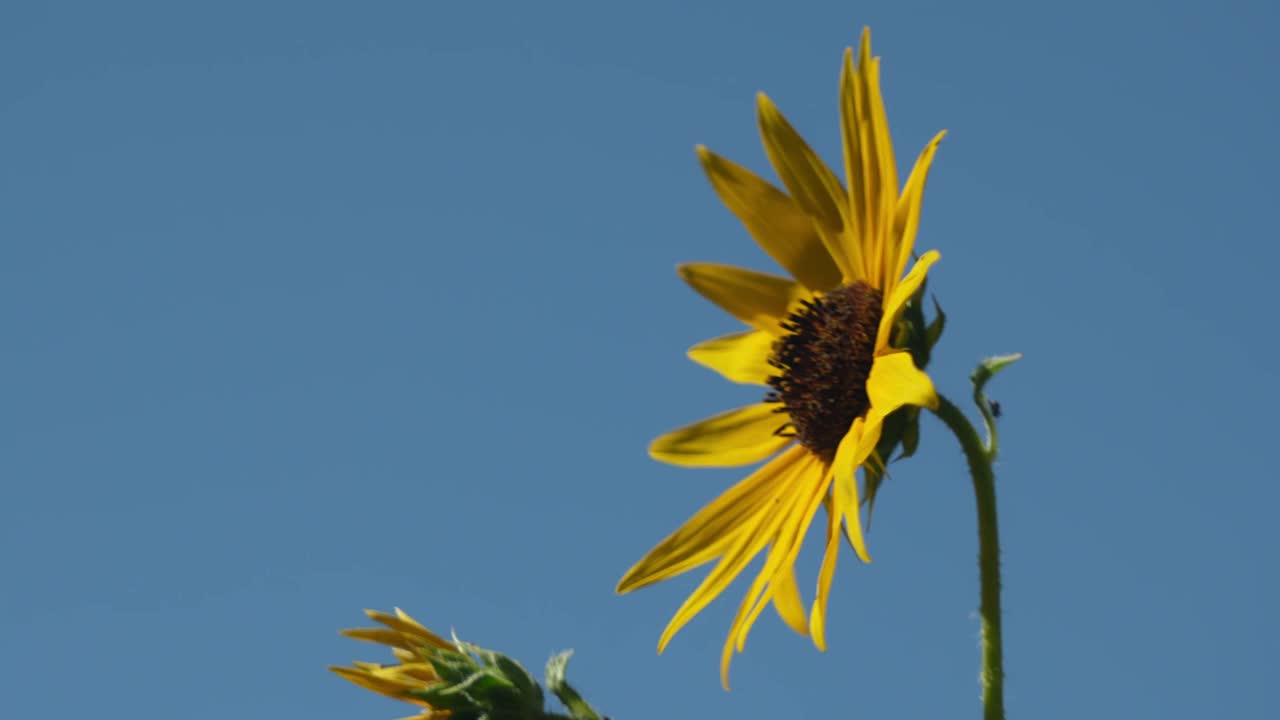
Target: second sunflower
column 820, row 342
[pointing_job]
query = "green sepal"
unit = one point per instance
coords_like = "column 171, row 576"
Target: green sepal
column 873, row 474
column 482, row 684
column 485, row 691
column 875, row 469
column 452, row 667
column 520, row 678
column 913, row 319
column 911, row 433
column 471, row 649
column 901, row 429
column 934, row 332
column 439, row 698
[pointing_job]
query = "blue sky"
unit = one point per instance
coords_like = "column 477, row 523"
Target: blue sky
column 312, row 307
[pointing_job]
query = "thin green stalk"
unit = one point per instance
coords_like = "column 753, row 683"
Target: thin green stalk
column 980, row 457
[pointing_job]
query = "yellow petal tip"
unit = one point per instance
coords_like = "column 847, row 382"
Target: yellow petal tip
column 817, row 623
column 659, row 453
column 856, row 540
column 629, row 582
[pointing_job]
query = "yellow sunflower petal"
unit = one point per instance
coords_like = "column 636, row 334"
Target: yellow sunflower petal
column 895, row 381
column 713, row 528
column 906, row 220
column 880, row 124
column 868, row 174
column 414, row 674
column 787, row 600
column 418, row 630
column 741, row 357
column 758, row 299
column 818, row 618
column 745, row 546
column 382, row 636
column 851, row 453
column 730, row 566
column 806, row 490
column 898, row 297
column 774, row 220
column 810, row 484
column 369, row 681
column 852, row 147
column 757, row 597
column 737, row 437
column 811, row 183
column 887, row 169
column 878, row 162
column 402, row 623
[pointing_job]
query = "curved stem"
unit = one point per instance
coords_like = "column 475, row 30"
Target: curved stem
column 984, row 490
column 992, row 445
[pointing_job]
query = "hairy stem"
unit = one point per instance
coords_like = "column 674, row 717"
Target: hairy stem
column 984, row 490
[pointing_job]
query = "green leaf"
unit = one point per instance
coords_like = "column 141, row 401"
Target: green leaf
column 988, row 368
column 577, row 707
column 556, row 667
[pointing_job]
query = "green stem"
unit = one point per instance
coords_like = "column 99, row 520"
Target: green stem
column 984, row 490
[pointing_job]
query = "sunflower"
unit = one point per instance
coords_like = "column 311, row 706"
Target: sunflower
column 820, row 342
column 411, row 644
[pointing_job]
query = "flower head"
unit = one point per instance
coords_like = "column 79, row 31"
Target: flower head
column 411, row 644
column 459, row 680
column 822, row 342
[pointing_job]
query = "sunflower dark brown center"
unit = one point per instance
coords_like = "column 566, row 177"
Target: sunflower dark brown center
column 823, row 364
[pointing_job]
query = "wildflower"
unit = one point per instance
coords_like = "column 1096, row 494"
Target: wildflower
column 411, row 643
column 822, row 342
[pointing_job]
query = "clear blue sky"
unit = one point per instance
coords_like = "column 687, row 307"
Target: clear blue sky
column 311, row 307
